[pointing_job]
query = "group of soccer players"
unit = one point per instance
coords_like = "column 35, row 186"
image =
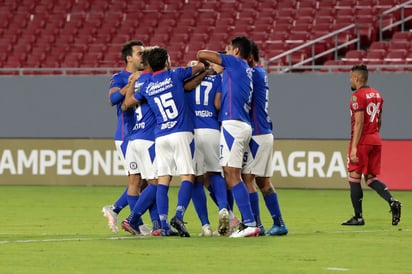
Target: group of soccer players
column 207, row 123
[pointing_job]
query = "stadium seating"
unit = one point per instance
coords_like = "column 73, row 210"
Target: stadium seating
column 77, row 34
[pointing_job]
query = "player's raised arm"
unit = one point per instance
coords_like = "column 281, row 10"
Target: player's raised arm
column 209, row 56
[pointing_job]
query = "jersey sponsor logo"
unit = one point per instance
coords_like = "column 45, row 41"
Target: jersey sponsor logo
column 158, row 87
column 168, row 125
column 372, row 95
column 204, row 113
column 141, row 125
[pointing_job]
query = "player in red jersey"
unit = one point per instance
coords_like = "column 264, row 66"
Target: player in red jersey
column 364, row 155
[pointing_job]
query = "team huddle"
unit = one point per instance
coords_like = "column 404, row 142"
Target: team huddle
column 207, row 123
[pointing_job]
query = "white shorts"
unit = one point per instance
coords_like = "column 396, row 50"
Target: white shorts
column 140, row 158
column 117, row 144
column 207, row 151
column 175, row 154
column 234, row 139
column 258, row 156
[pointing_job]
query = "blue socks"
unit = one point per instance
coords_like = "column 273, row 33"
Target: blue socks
column 218, row 186
column 183, row 198
column 254, row 203
column 241, row 196
column 121, row 202
column 146, row 200
column 200, row 203
column 162, row 202
column 272, row 204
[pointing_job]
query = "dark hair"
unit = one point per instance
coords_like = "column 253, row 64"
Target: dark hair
column 243, row 44
column 157, row 58
column 127, row 49
column 362, row 70
column 254, row 51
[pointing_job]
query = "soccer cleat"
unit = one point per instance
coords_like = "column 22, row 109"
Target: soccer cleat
column 261, row 230
column 354, row 221
column 127, row 227
column 396, row 212
column 224, row 225
column 157, row 232
column 168, row 232
column 245, row 231
column 206, row 230
column 233, row 222
column 278, row 230
column 180, row 227
column 144, row 230
column 112, row 217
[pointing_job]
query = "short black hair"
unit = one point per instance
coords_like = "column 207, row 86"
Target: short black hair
column 254, row 51
column 157, row 58
column 243, row 44
column 362, row 69
column 127, row 49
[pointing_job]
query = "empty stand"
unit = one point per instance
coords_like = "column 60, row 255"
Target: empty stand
column 78, row 33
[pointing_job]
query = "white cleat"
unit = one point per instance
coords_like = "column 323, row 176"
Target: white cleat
column 112, row 217
column 224, row 225
column 145, row 230
column 206, row 230
column 245, row 231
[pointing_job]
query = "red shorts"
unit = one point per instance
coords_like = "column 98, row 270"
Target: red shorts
column 369, row 160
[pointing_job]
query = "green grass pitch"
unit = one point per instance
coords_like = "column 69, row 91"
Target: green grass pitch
column 60, row 229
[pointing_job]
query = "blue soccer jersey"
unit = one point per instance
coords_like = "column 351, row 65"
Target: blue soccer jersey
column 236, row 89
column 261, row 122
column 166, row 96
column 126, row 119
column 145, row 119
column 203, row 98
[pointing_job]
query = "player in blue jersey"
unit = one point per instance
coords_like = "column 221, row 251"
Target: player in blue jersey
column 204, row 97
column 132, row 56
column 174, row 141
column 258, row 156
column 236, row 130
column 140, row 156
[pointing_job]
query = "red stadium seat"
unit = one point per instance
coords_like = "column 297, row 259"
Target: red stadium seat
column 354, row 57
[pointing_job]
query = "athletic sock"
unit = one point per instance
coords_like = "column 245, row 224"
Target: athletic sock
column 121, row 202
column 254, row 203
column 162, row 202
column 199, row 202
column 131, row 200
column 356, row 195
column 183, row 198
column 230, row 199
column 242, row 199
column 154, row 216
column 382, row 190
column 272, row 204
column 146, row 199
column 219, row 188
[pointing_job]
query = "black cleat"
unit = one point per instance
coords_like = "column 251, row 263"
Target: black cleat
column 180, row 227
column 354, row 221
column 168, row 233
column 396, row 212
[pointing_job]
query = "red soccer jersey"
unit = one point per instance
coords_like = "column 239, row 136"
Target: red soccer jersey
column 369, row 101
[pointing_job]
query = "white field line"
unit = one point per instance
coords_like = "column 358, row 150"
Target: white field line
column 74, row 239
